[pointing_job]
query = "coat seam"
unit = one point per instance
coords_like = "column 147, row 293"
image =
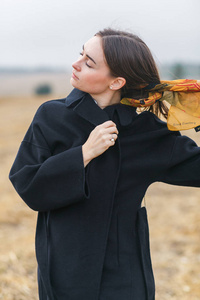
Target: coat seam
column 38, row 146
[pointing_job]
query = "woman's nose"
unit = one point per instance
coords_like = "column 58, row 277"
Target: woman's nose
column 76, row 65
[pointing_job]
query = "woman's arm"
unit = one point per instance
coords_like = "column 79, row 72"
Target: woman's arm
column 45, row 181
column 184, row 163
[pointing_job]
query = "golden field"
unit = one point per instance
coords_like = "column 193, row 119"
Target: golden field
column 174, row 218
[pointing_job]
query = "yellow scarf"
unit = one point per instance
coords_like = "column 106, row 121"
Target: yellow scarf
column 184, row 97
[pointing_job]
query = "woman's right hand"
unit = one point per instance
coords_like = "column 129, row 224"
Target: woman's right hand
column 99, row 140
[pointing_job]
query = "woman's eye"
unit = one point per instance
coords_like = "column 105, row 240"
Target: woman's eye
column 81, row 53
column 88, row 65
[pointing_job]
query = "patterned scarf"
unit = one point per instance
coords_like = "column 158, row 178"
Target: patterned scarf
column 183, row 95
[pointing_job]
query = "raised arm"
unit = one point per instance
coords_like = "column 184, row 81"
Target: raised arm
column 45, row 181
column 184, row 163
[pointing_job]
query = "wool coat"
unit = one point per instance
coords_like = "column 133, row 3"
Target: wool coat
column 75, row 204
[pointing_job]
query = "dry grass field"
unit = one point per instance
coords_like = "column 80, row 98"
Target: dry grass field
column 174, row 218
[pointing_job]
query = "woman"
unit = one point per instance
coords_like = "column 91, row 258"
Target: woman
column 85, row 165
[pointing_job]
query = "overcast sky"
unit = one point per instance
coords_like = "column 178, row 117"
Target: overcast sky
column 51, row 32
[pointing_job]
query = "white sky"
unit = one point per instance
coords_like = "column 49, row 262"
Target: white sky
column 51, row 32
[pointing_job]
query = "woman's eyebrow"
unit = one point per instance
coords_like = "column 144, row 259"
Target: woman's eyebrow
column 90, row 57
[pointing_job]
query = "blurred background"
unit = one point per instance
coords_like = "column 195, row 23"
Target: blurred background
column 39, row 40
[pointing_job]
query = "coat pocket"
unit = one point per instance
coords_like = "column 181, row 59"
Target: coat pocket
column 143, row 235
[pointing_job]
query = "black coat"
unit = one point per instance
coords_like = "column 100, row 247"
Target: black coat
column 75, row 203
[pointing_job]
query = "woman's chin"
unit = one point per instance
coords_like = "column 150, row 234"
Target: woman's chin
column 73, row 82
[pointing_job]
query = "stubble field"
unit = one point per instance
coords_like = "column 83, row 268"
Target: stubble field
column 174, row 218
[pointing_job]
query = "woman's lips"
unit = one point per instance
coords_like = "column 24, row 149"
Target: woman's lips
column 74, row 76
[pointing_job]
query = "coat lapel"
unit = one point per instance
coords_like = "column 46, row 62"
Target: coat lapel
column 83, row 104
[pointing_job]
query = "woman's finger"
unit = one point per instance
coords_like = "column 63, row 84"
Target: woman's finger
column 113, row 138
column 107, row 124
column 107, row 130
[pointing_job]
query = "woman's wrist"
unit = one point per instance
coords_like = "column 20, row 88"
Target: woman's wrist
column 86, row 155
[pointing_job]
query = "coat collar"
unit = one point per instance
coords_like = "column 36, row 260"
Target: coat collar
column 83, row 104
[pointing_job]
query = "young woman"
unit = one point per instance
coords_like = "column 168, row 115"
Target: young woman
column 85, row 165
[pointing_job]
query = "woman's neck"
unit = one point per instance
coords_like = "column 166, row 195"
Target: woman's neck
column 107, row 99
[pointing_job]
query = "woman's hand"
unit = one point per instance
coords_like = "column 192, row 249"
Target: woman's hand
column 99, row 140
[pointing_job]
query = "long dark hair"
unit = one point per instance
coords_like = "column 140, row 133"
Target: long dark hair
column 129, row 57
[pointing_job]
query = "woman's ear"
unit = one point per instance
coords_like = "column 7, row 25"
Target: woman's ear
column 117, row 83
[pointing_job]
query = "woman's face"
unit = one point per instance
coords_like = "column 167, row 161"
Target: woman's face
column 90, row 72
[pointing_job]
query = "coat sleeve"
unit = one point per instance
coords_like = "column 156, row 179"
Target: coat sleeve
column 45, row 181
column 184, row 163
